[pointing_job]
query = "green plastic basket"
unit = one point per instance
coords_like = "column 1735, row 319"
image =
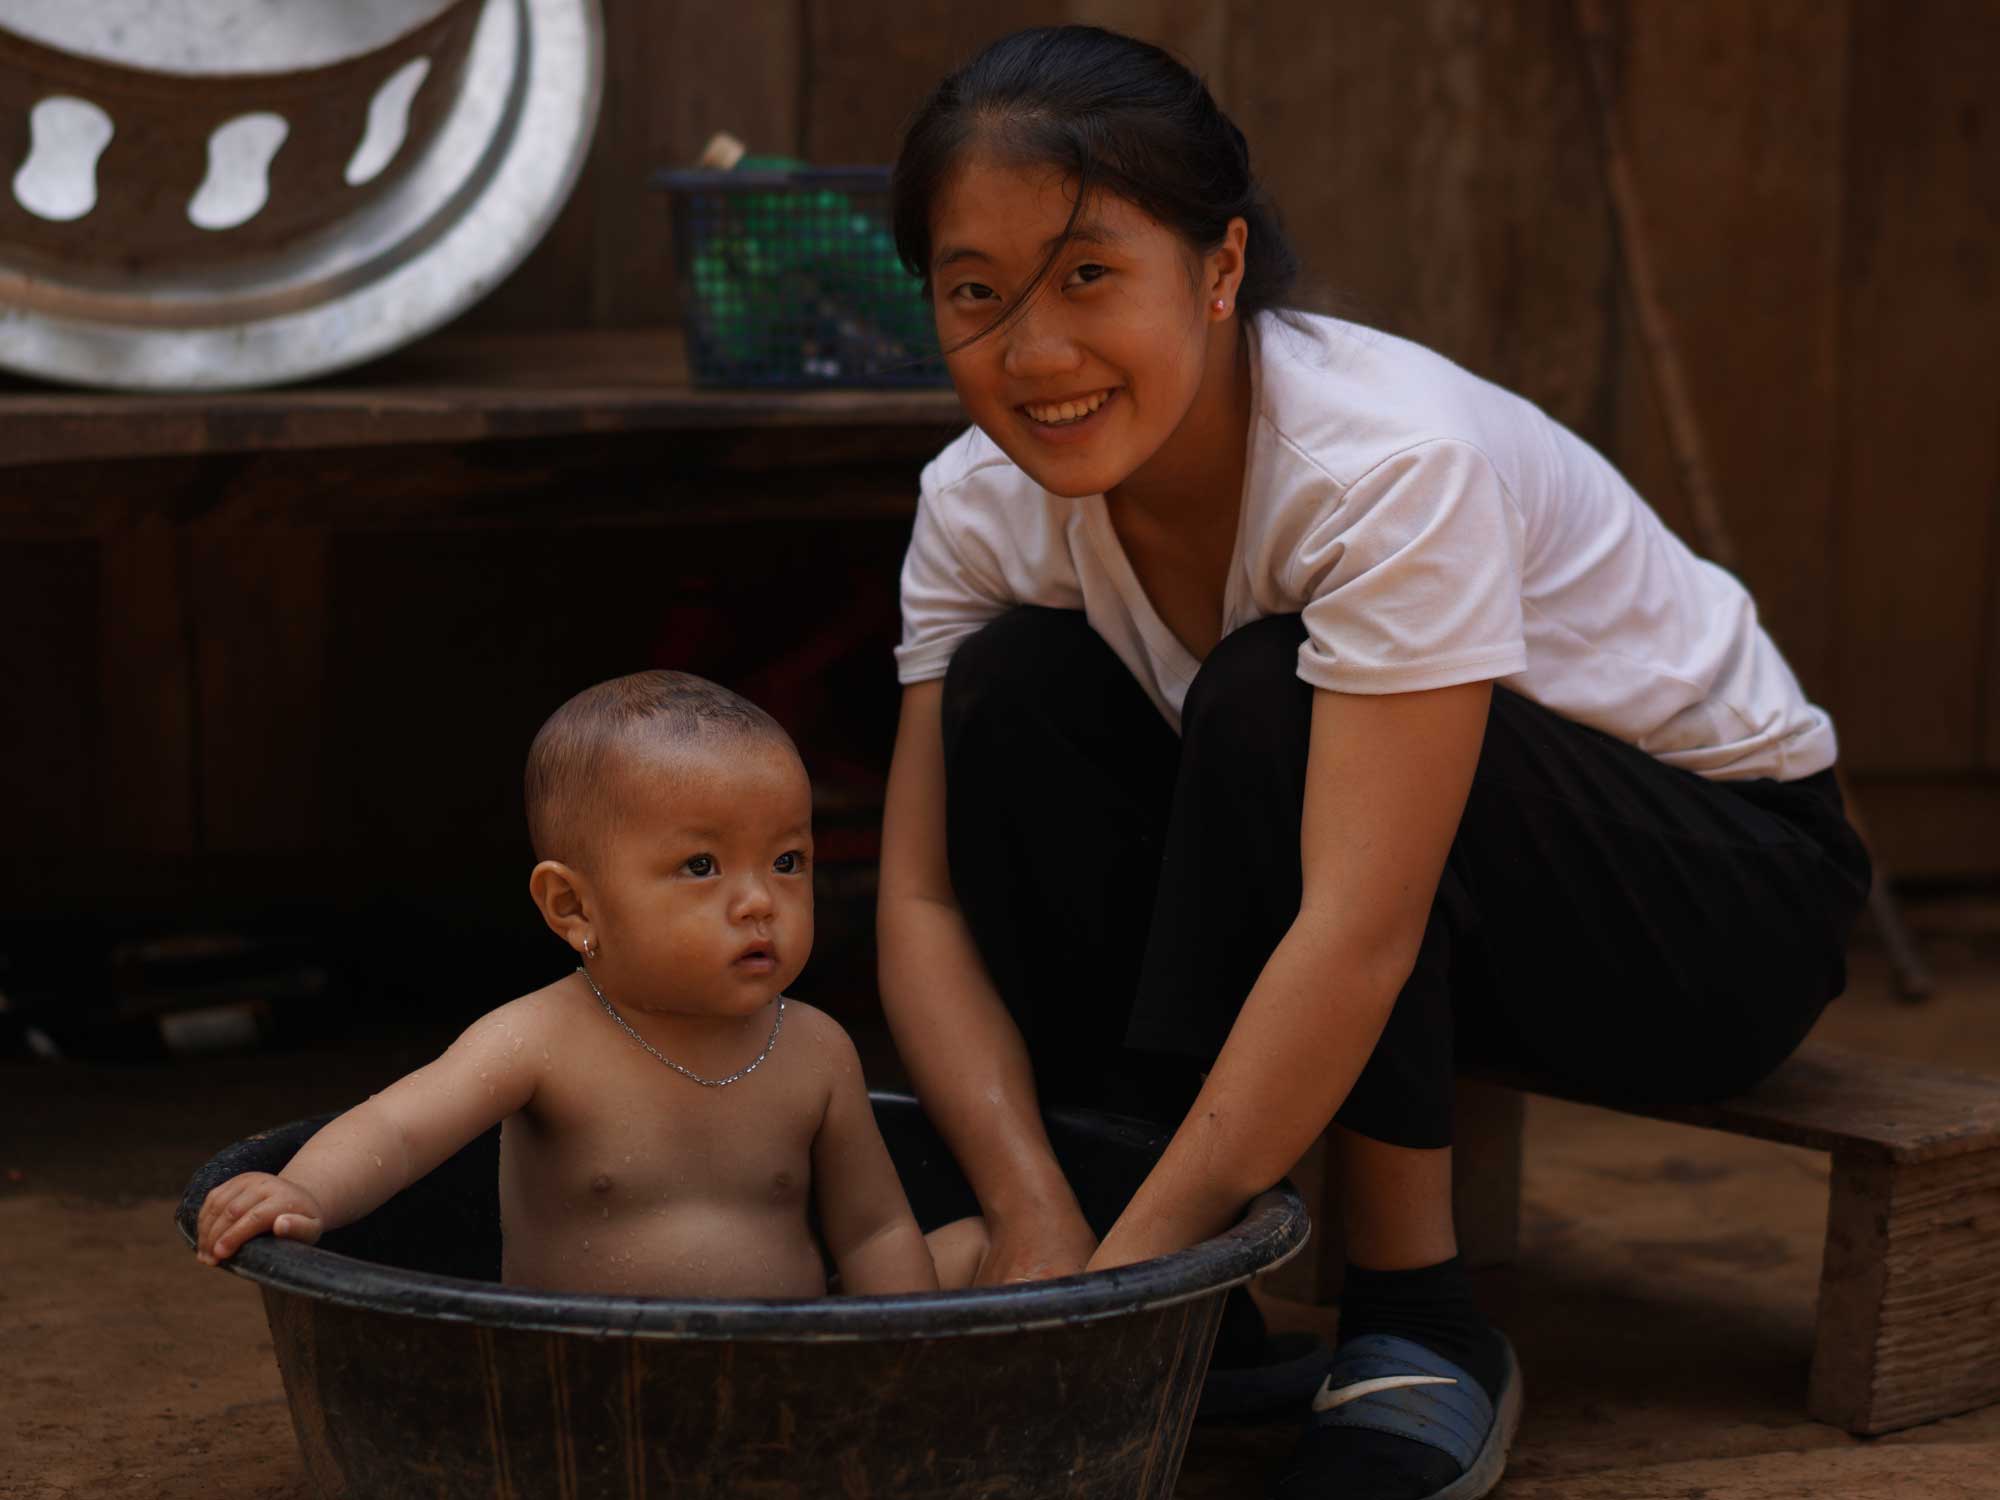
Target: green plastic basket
column 790, row 278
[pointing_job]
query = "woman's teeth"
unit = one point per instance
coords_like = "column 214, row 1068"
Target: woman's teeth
column 1054, row 413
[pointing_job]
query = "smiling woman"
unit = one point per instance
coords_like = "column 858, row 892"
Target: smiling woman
column 1097, row 350
column 1288, row 713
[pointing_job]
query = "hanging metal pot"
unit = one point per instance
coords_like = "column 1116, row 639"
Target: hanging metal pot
column 230, row 193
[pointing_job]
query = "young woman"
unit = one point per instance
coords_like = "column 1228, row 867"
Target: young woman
column 1288, row 706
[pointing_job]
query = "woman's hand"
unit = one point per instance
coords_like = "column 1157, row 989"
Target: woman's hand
column 1036, row 1246
column 251, row 1204
column 1182, row 1202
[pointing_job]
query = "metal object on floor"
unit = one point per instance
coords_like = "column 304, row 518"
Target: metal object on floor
column 411, row 1371
column 211, row 194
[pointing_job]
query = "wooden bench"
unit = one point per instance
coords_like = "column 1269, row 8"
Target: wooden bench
column 1909, row 1297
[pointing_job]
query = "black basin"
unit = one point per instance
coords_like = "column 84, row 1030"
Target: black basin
column 412, row 1372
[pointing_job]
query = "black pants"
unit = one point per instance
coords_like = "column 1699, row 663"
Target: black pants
column 1602, row 916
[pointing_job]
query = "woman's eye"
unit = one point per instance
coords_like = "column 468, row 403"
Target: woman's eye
column 789, row 863
column 971, row 291
column 701, row 864
column 1088, row 272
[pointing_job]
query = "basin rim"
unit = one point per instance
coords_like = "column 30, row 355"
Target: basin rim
column 1273, row 1229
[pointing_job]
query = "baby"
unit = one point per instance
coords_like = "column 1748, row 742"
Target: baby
column 667, row 1111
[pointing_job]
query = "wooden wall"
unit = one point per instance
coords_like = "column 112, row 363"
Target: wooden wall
column 1821, row 182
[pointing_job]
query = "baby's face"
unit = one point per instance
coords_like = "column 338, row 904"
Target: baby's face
column 704, row 884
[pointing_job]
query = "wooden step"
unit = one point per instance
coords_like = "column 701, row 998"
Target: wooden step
column 1908, row 1327
column 1828, row 1099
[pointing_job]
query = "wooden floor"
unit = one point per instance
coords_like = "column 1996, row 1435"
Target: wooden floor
column 1662, row 1307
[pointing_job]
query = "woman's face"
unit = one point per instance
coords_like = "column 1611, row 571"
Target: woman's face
column 1094, row 375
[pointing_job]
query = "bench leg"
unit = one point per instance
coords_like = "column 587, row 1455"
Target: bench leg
column 1909, row 1296
column 1485, row 1193
column 1486, row 1172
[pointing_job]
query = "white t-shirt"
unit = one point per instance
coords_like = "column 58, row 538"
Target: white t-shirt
column 1432, row 529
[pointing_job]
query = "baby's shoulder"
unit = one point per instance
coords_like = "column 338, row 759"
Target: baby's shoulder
column 821, row 1047
column 532, row 1017
column 815, row 1029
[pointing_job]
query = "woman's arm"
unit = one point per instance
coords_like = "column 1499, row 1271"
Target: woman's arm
column 358, row 1160
column 1386, row 783
column 963, row 1050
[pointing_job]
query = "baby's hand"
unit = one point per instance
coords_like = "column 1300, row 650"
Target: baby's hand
column 251, row 1204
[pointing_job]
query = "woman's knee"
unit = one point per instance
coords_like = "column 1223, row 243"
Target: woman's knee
column 1250, row 681
column 1013, row 658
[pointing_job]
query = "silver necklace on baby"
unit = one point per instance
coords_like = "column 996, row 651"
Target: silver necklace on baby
column 707, row 1083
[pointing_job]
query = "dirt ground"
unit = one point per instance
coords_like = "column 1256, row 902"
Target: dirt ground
column 1662, row 1305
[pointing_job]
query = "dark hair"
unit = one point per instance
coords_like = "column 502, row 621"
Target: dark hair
column 1113, row 113
column 566, row 762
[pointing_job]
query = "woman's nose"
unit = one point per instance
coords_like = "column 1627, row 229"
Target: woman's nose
column 1038, row 343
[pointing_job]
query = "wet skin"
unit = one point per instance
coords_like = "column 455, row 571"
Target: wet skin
column 618, row 1173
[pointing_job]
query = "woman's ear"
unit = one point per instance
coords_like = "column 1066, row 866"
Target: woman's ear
column 562, row 896
column 1223, row 266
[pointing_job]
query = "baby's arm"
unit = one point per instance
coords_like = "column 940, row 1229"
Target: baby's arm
column 381, row 1146
column 870, row 1231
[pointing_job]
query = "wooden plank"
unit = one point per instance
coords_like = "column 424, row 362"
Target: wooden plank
column 676, row 71
column 467, row 640
column 1943, row 827
column 1544, row 252
column 825, row 476
column 1828, row 1099
column 1745, row 266
column 1637, row 440
column 1487, row 1127
column 1195, row 31
column 461, row 390
column 53, row 742
column 143, row 669
column 260, row 615
column 1358, row 117
column 627, row 482
column 1909, row 1310
column 1991, row 735
column 1437, row 170
column 683, row 71
column 870, row 63
column 1922, row 362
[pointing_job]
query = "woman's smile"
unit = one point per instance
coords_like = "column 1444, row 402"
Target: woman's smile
column 1069, row 420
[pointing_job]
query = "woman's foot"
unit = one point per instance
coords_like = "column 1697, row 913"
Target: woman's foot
column 1421, row 1401
column 1393, row 1421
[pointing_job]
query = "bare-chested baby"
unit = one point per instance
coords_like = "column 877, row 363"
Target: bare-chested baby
column 668, row 1113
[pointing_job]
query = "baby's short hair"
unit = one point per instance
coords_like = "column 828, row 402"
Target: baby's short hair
column 567, row 761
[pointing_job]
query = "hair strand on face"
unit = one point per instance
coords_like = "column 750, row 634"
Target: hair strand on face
column 1113, row 115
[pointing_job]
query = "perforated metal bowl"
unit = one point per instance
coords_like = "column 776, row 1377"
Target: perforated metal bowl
column 227, row 193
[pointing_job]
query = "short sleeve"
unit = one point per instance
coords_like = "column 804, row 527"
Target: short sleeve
column 1413, row 579
column 949, row 591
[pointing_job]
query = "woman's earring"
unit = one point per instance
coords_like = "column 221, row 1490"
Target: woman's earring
column 590, row 947
column 1222, row 304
